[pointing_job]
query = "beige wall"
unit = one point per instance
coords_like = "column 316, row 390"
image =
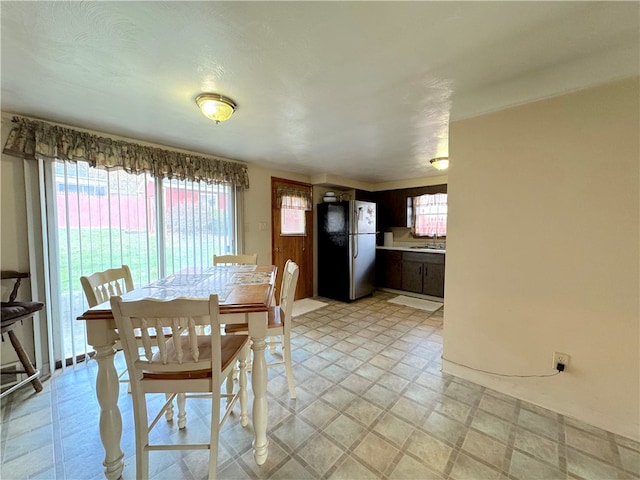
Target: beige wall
column 413, row 182
column 13, row 216
column 257, row 209
column 543, row 253
column 543, row 249
column 14, row 254
column 13, row 234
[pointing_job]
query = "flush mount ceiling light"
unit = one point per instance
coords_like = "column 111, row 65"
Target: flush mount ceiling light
column 215, row 107
column 440, row 163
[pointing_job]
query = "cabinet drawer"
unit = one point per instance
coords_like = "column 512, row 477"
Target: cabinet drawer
column 435, row 258
column 393, row 256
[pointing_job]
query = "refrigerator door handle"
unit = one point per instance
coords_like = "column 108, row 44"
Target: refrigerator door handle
column 356, row 218
column 354, row 243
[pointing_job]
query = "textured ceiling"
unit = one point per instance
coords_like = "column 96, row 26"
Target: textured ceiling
column 363, row 90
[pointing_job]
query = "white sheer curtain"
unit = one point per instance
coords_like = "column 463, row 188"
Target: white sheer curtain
column 430, row 215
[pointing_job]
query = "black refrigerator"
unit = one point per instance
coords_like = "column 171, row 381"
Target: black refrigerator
column 346, row 249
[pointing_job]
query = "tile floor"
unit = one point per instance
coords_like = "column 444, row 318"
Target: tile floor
column 372, row 404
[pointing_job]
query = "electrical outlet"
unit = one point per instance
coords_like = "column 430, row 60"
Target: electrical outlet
column 559, row 357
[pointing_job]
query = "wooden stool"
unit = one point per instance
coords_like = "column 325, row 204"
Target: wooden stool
column 12, row 313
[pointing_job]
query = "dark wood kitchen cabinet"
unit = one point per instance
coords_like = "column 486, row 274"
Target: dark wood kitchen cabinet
column 432, row 273
column 415, row 272
column 433, row 281
column 389, row 269
column 412, row 276
column 392, row 204
column 392, row 209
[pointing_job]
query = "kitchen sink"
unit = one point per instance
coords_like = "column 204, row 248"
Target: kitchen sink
column 428, row 247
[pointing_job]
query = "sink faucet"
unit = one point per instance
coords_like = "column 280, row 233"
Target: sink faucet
column 435, row 242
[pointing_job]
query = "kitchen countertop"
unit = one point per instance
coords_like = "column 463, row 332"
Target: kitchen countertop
column 407, row 248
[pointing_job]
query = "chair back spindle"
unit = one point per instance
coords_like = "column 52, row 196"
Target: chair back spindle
column 153, row 317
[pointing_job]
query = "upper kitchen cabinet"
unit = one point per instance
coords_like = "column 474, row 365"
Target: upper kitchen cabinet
column 343, row 193
column 366, row 196
column 392, row 204
column 392, row 209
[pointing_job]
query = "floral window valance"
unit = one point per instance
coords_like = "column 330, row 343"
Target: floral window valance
column 31, row 139
column 295, row 198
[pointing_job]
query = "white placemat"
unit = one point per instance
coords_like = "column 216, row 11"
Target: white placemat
column 249, row 278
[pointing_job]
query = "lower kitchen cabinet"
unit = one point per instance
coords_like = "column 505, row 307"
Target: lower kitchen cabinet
column 415, row 272
column 412, row 276
column 433, row 281
column 389, row 269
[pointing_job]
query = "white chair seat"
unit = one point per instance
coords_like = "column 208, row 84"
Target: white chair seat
column 229, row 345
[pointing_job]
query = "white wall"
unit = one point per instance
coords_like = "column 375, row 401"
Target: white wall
column 543, row 253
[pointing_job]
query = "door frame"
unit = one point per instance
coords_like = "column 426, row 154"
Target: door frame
column 304, row 246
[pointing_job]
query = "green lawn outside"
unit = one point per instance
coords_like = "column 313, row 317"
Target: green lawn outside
column 104, row 248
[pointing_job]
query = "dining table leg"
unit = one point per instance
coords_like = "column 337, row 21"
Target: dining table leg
column 102, row 337
column 259, row 386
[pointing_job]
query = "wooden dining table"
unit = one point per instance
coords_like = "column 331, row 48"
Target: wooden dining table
column 240, row 289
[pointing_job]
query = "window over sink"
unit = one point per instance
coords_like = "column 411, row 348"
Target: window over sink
column 427, row 215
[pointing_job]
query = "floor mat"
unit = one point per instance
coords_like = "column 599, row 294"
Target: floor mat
column 306, row 305
column 419, row 303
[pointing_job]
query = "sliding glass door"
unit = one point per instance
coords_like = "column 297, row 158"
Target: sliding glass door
column 99, row 219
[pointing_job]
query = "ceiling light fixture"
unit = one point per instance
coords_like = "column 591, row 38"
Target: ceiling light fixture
column 215, row 107
column 440, row 163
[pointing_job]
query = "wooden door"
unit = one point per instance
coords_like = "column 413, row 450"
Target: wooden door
column 297, row 247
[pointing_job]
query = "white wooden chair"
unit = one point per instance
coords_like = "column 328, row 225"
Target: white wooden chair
column 101, row 286
column 187, row 362
column 98, row 288
column 279, row 323
column 240, row 259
